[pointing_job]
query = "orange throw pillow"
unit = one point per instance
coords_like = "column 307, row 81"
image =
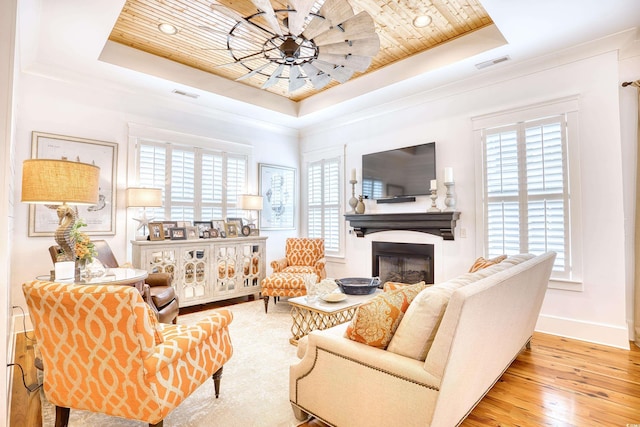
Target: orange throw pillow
column 375, row 322
column 481, row 263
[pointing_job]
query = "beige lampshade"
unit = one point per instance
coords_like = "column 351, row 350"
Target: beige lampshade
column 138, row 197
column 250, row 202
column 60, row 181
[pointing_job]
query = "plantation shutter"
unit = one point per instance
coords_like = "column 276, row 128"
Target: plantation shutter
column 526, row 190
column 323, row 210
column 153, row 173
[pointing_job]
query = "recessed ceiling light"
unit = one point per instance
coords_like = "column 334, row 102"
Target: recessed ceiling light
column 421, row 21
column 167, row 29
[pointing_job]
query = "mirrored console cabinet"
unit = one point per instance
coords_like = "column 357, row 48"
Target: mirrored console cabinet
column 206, row 270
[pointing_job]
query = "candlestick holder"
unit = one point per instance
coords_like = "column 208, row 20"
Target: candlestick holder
column 434, row 197
column 353, row 201
column 450, row 200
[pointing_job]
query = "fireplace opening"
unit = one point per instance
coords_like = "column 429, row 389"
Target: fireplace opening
column 403, row 262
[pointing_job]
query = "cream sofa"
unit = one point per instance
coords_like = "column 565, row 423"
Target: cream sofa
column 490, row 316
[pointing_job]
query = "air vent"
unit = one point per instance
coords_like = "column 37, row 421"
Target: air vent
column 491, row 62
column 183, row 93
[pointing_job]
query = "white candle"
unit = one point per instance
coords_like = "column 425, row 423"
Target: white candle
column 353, row 174
column 434, row 184
column 448, row 174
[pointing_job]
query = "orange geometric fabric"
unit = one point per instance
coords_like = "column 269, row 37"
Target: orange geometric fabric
column 302, row 255
column 101, row 351
column 481, row 263
column 283, row 285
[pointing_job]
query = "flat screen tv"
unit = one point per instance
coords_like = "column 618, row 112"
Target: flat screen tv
column 399, row 173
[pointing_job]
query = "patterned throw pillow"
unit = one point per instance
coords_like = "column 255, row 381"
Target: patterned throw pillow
column 481, row 263
column 376, row 321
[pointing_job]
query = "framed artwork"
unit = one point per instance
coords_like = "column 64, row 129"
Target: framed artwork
column 278, row 188
column 246, row 230
column 218, row 225
column 192, row 233
column 100, row 218
column 178, row 233
column 202, row 227
column 213, row 233
column 235, row 221
column 156, row 231
column 231, row 229
column 168, row 225
column 184, row 223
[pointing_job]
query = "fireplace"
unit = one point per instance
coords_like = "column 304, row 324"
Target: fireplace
column 402, row 262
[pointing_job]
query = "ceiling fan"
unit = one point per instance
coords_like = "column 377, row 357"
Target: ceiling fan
column 310, row 40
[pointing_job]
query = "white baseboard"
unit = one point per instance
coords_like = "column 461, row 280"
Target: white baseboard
column 597, row 333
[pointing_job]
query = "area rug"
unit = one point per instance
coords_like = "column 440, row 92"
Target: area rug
column 255, row 382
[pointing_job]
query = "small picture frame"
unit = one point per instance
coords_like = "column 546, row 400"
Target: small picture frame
column 192, row 233
column 156, row 231
column 178, row 233
column 246, row 230
column 202, row 227
column 218, row 225
column 206, row 234
column 255, row 231
column 231, row 228
column 168, row 225
column 214, row 233
column 184, row 224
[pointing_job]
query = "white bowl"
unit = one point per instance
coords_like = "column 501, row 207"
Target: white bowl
column 334, row 297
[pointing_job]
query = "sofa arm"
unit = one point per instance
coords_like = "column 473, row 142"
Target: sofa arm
column 319, row 268
column 279, row 264
column 336, row 372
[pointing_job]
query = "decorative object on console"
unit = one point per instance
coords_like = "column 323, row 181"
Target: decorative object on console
column 360, row 208
column 434, row 196
column 300, row 44
column 58, row 182
column 138, row 197
column 156, row 231
column 450, row 201
column 353, row 181
column 250, row 203
column 358, row 285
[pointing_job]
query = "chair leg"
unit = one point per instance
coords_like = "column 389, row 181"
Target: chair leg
column 158, row 424
column 266, row 303
column 62, row 416
column 217, row 375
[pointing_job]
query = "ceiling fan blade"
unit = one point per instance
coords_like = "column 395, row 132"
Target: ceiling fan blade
column 269, row 15
column 336, row 11
column 296, row 19
column 230, row 13
column 362, row 47
column 296, row 81
column 358, row 27
column 254, row 72
column 354, row 62
column 321, row 80
column 310, row 70
column 318, row 25
column 339, row 73
column 273, row 79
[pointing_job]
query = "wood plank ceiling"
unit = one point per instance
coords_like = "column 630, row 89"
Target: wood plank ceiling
column 194, row 46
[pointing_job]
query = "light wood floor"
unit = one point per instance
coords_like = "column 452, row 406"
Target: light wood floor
column 559, row 382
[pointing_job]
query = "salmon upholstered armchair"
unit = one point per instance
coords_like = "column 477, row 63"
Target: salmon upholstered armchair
column 303, row 255
column 103, row 350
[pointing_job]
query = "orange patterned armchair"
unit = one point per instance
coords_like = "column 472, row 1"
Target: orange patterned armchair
column 302, row 255
column 104, row 351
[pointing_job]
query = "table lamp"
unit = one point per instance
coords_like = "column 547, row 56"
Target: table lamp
column 139, row 197
column 61, row 183
column 250, row 203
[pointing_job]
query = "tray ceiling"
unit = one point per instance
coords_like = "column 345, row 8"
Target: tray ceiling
column 201, row 39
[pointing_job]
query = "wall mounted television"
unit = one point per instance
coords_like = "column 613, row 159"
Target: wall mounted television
column 399, row 173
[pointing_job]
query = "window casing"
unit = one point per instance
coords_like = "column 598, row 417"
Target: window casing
column 324, row 210
column 199, row 184
column 530, row 186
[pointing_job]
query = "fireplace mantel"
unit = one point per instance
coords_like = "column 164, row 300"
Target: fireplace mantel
column 441, row 224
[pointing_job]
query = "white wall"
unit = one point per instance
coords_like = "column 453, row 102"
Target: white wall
column 597, row 313
column 97, row 111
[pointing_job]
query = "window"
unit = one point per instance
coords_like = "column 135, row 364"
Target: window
column 324, row 218
column 198, row 183
column 527, row 203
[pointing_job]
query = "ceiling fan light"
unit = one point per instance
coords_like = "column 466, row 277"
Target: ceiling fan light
column 421, row 21
column 167, row 29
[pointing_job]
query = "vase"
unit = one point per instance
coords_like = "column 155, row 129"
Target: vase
column 360, row 206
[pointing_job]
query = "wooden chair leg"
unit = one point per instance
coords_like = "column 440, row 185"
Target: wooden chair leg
column 266, row 303
column 217, row 375
column 62, row 416
column 158, row 424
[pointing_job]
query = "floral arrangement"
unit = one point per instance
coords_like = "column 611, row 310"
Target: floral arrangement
column 85, row 249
